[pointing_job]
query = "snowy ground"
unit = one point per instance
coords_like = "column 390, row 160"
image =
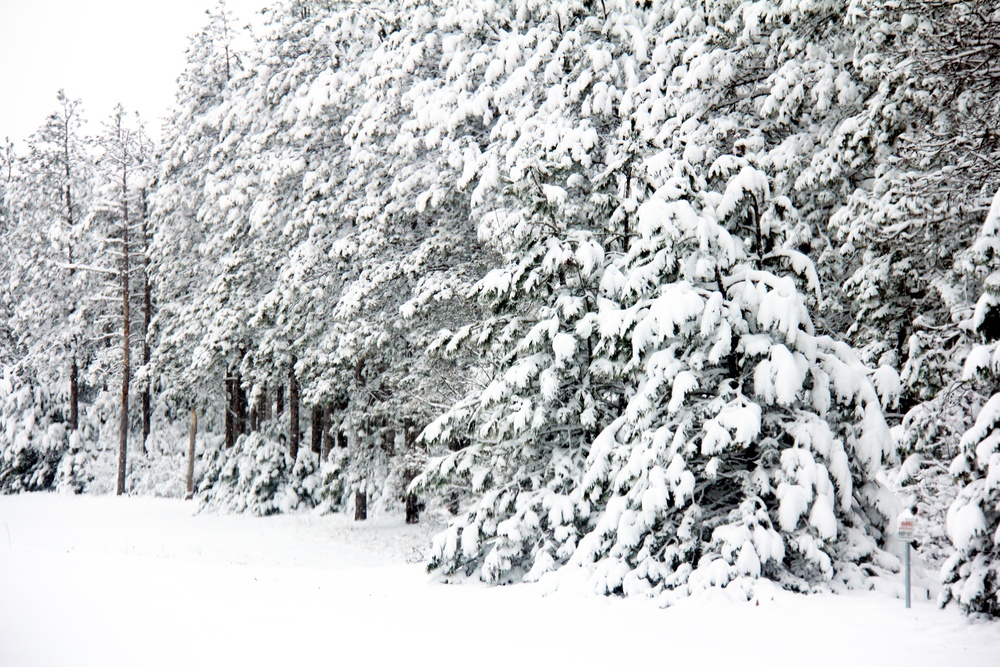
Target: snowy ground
column 144, row 582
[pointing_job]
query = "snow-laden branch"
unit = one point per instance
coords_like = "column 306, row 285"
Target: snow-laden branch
column 86, row 267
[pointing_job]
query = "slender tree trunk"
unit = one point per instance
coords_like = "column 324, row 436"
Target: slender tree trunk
column 239, row 405
column 279, row 401
column 145, row 417
column 342, row 405
column 317, row 430
column 293, row 412
column 328, row 437
column 410, row 472
column 74, row 371
column 74, row 395
column 190, row 462
column 126, row 336
column 147, row 318
column 230, row 423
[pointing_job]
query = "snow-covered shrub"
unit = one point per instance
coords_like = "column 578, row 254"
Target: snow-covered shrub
column 32, row 441
column 257, row 476
column 928, row 441
column 73, row 474
column 972, row 574
column 330, row 491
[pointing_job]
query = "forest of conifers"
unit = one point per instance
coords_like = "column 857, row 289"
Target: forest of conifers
column 686, row 292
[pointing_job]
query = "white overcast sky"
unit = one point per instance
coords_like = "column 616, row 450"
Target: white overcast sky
column 101, row 51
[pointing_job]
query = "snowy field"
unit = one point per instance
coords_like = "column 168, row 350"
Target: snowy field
column 142, row 582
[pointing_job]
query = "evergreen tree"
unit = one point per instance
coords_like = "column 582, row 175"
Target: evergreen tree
column 53, row 197
column 47, row 298
column 180, row 266
column 972, row 573
column 117, row 223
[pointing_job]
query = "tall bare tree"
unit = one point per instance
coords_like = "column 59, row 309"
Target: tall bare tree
column 123, row 144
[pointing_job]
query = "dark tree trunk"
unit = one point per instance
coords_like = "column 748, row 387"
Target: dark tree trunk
column 328, row 437
column 74, row 396
column 74, row 371
column 230, row 422
column 342, row 405
column 293, row 412
column 317, row 429
column 360, row 505
column 412, row 507
column 147, row 318
column 190, row 463
column 279, row 400
column 410, row 472
column 240, row 405
column 145, row 418
column 126, row 338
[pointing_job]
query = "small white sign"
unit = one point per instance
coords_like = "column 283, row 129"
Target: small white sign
column 905, row 529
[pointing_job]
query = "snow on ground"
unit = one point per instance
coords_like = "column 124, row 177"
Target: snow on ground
column 145, row 582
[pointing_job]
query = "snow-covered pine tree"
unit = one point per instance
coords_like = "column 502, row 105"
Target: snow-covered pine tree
column 775, row 431
column 929, row 86
column 7, row 175
column 48, row 300
column 557, row 183
column 179, row 262
column 116, row 224
column 53, row 195
column 408, row 250
column 750, row 444
column 909, row 229
column 747, row 444
column 972, row 574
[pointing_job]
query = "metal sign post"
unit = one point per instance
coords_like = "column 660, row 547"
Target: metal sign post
column 906, row 561
column 905, row 531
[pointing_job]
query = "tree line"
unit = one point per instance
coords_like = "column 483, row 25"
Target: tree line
column 688, row 293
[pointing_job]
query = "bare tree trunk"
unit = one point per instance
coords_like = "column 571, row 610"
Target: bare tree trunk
column 239, row 405
column 126, row 336
column 410, row 472
column 328, row 436
column 342, row 441
column 230, row 423
column 74, row 395
column 293, row 411
column 279, row 401
column 147, row 317
column 317, row 430
column 145, row 417
column 190, row 467
column 412, row 506
column 360, row 505
column 74, row 371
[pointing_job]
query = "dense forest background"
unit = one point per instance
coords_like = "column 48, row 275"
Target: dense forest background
column 684, row 292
